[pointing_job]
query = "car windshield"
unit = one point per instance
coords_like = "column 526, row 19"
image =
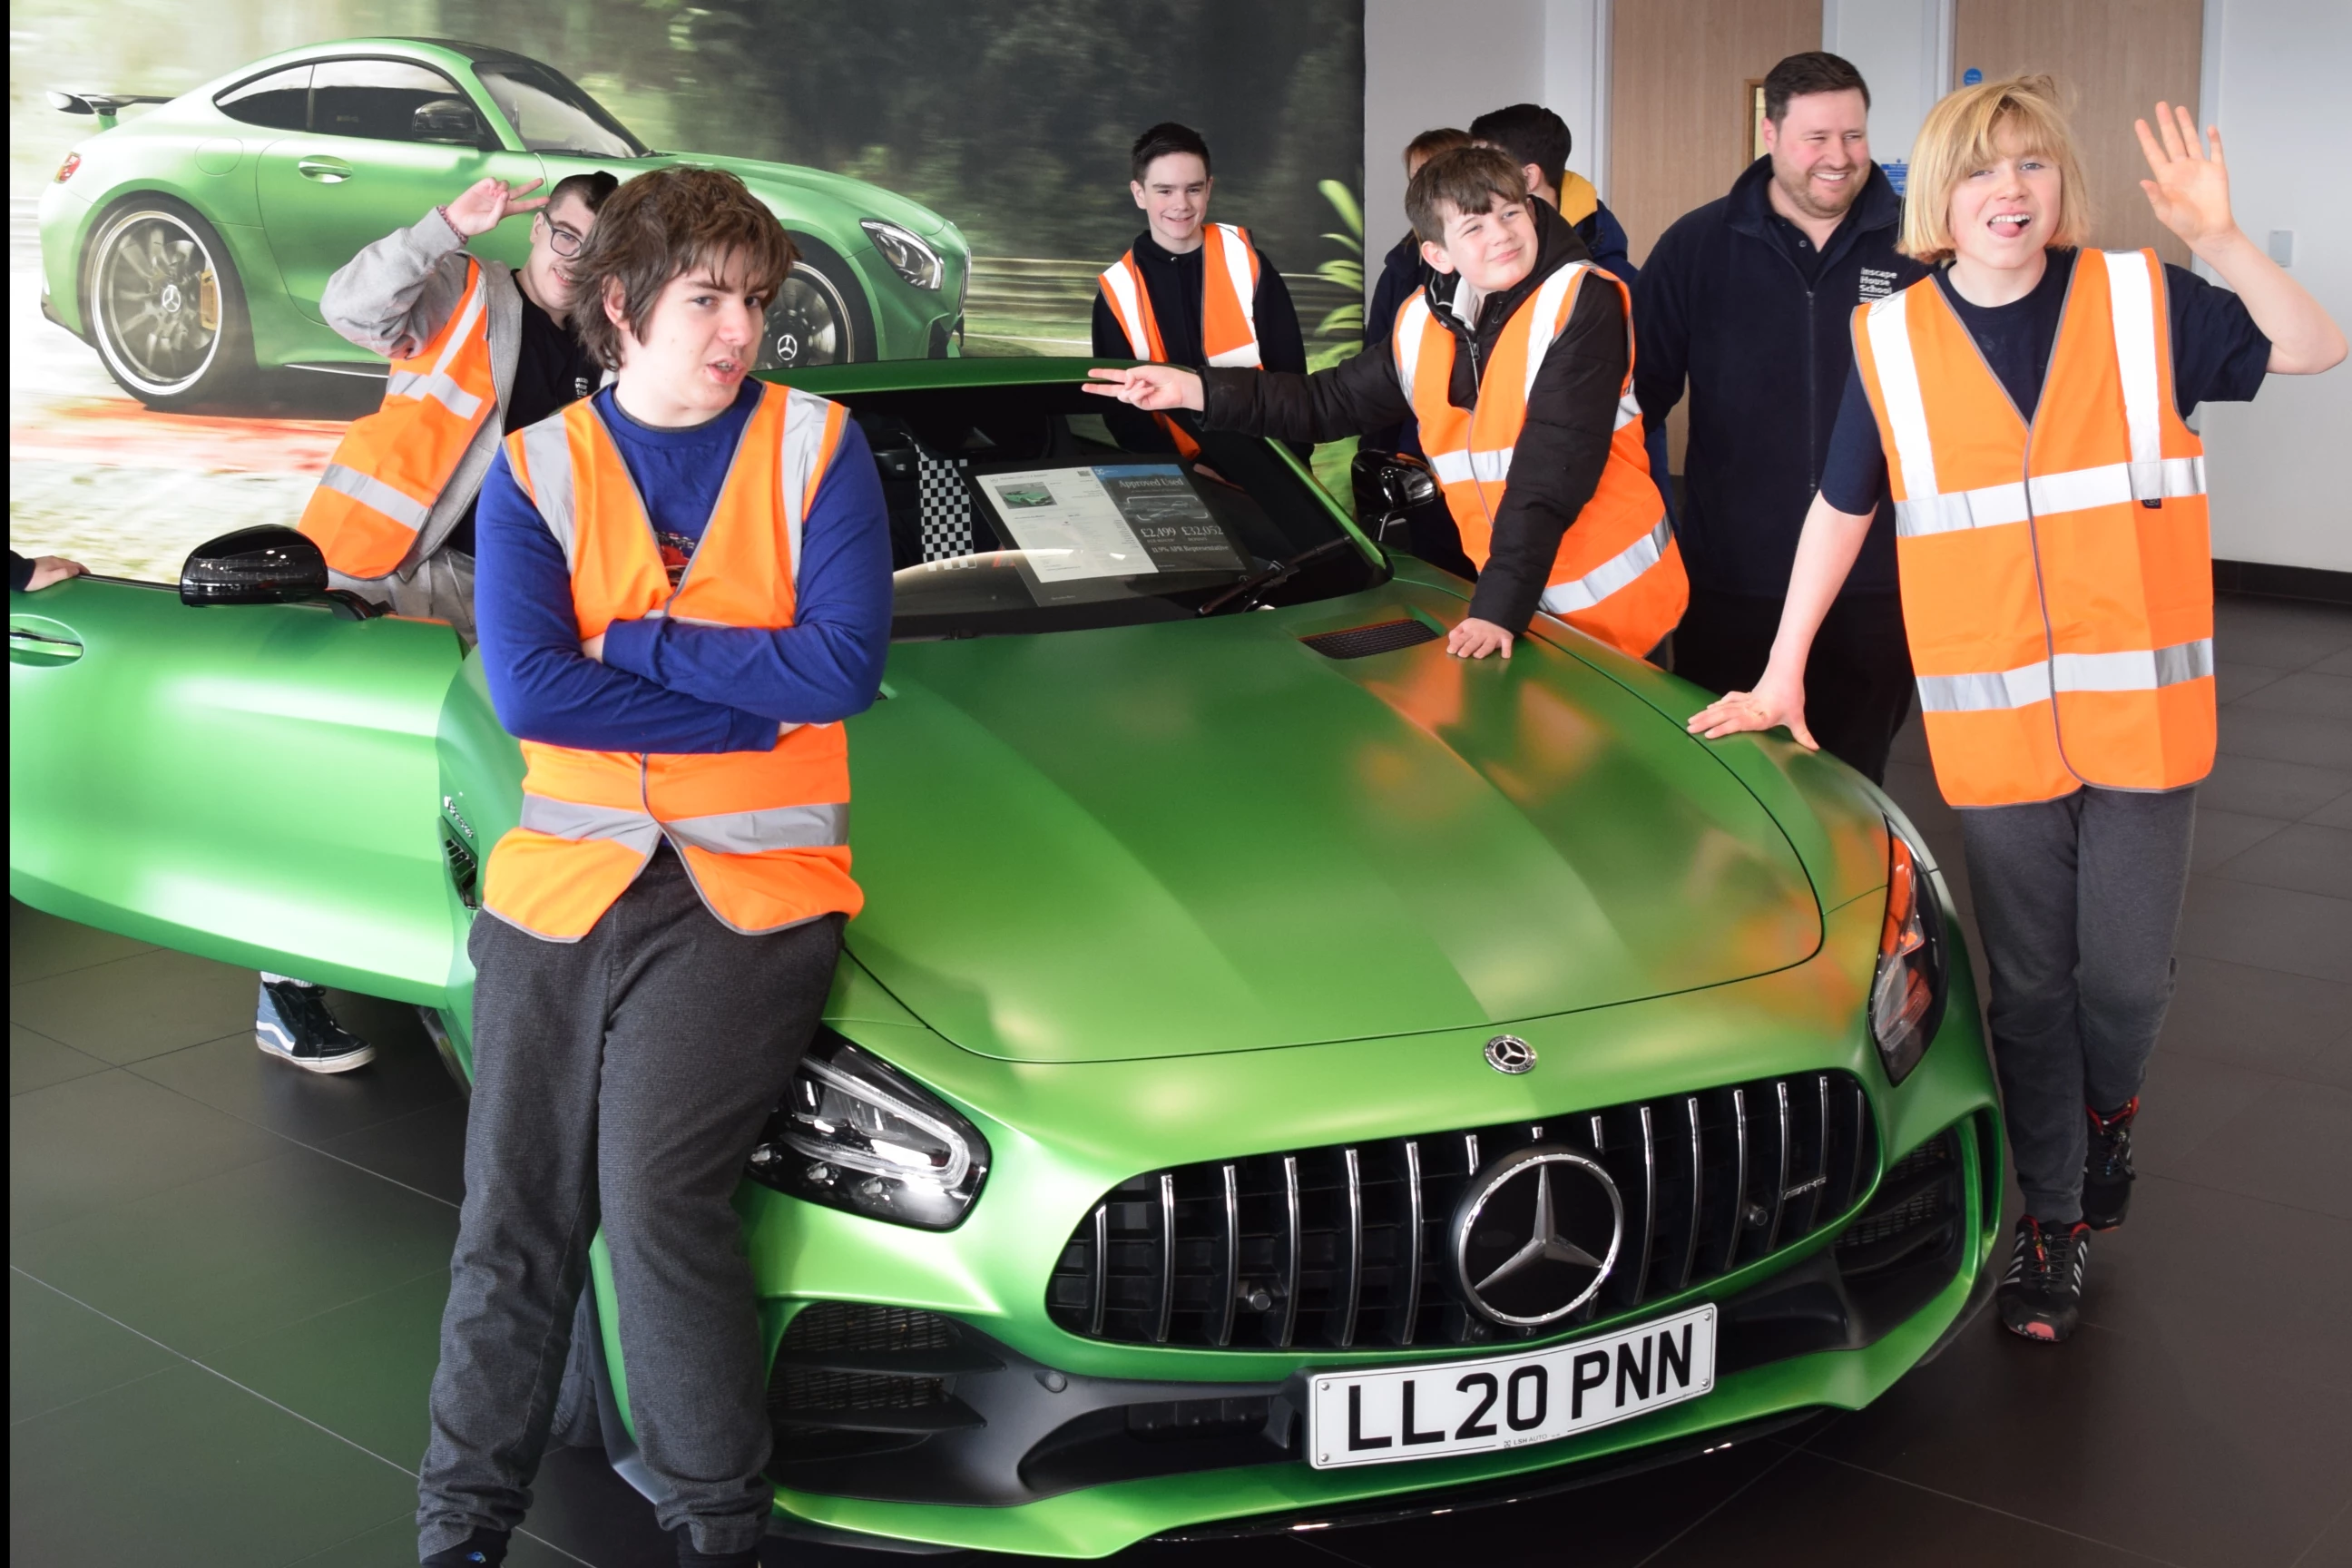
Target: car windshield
column 1021, row 510
column 552, row 114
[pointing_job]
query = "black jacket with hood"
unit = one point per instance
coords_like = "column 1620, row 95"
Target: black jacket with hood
column 1723, row 305
column 1561, row 450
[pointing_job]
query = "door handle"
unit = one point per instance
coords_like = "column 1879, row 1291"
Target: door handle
column 326, row 171
column 43, row 643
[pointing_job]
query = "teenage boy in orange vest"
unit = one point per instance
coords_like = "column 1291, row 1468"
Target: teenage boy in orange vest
column 1189, row 292
column 2029, row 402
column 683, row 586
column 1515, row 359
column 393, row 298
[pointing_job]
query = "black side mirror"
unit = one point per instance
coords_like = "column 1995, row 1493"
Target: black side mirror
column 269, row 565
column 1399, row 504
column 446, row 120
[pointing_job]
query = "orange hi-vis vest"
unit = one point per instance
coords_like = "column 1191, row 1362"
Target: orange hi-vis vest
column 765, row 835
column 391, row 466
column 2057, row 578
column 1229, row 271
column 1618, row 574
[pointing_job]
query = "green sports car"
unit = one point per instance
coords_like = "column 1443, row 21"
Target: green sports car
column 1282, row 1074
column 190, row 245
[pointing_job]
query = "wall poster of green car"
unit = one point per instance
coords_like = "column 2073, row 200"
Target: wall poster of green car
column 183, row 182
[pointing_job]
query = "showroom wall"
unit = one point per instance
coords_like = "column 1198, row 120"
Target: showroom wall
column 2272, row 77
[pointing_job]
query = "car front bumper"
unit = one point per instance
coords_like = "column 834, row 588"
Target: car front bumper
column 990, row 1457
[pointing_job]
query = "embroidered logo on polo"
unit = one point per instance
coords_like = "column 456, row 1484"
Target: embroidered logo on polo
column 1877, row 284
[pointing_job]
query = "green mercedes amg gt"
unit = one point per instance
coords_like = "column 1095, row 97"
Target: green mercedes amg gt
column 189, row 246
column 1283, row 1075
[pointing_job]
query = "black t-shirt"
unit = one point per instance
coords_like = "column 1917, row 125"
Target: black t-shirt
column 552, row 370
column 2218, row 355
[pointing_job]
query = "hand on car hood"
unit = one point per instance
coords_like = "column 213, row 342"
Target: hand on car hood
column 1207, row 837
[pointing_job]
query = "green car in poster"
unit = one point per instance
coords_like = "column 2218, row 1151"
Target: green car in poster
column 1283, row 1075
column 190, row 245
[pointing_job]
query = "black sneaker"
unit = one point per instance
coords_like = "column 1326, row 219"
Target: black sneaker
column 2041, row 1295
column 483, row 1549
column 293, row 1022
column 2107, row 1171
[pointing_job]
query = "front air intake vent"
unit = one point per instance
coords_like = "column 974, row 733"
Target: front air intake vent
column 1363, row 642
column 1346, row 1245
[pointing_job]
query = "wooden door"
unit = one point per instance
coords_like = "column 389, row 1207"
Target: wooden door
column 2112, row 60
column 1680, row 114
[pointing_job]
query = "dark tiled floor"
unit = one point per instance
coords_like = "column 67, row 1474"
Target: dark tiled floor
column 226, row 1276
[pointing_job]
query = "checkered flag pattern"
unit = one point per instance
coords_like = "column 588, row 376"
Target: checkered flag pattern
column 946, row 506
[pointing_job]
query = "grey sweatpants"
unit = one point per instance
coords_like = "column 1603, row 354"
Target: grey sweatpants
column 621, row 1080
column 2078, row 901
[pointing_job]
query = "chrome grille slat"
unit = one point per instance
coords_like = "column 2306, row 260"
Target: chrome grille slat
column 1101, row 1269
column 1738, row 1226
column 1167, row 1270
column 1342, row 1246
column 1649, row 1207
column 1290, row 1243
column 1229, row 1279
column 1780, row 1187
column 1352, row 1299
column 1698, row 1192
column 1411, row 1262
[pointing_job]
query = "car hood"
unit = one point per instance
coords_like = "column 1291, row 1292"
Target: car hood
column 855, row 198
column 1207, row 836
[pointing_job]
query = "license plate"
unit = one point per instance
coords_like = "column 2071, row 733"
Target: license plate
column 1440, row 1409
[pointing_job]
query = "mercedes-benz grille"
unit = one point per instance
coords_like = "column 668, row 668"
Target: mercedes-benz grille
column 1346, row 1244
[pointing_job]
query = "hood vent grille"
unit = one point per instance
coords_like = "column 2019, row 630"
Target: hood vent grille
column 1361, row 642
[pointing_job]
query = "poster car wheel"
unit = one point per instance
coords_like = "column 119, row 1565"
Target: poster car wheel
column 812, row 320
column 165, row 308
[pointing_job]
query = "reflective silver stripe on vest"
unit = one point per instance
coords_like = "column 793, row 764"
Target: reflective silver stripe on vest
column 373, row 492
column 1411, row 323
column 1629, row 409
column 2077, row 490
column 1543, row 323
column 798, row 458
column 1887, row 325
column 547, row 458
column 438, row 383
column 571, row 819
column 754, row 832
column 2131, row 303
column 1121, row 284
column 1236, row 252
column 1458, row 467
column 1619, row 570
column 2146, row 670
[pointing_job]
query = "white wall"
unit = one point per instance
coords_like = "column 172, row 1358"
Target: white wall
column 1428, row 65
column 2276, row 88
column 1903, row 50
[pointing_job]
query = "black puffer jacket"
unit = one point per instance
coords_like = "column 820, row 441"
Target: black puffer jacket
column 1562, row 449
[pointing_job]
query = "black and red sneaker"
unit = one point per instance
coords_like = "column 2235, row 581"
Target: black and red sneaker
column 2041, row 1295
column 2107, row 1170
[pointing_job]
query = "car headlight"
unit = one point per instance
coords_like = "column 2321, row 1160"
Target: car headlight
column 909, row 257
column 855, row 1133
column 1907, row 993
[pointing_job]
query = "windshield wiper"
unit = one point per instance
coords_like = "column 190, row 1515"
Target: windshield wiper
column 1280, row 572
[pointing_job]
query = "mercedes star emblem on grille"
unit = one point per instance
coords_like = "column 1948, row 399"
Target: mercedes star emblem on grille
column 1511, row 1054
column 1535, row 1233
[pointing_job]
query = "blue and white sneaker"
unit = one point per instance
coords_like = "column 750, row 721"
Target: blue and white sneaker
column 293, row 1022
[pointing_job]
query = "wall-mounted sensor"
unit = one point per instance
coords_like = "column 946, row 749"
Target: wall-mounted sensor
column 2281, row 247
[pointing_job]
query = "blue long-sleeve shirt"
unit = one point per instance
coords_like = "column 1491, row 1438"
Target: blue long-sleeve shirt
column 663, row 686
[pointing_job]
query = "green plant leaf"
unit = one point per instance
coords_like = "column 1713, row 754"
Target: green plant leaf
column 1343, row 201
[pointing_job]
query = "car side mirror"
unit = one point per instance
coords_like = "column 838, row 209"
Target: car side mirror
column 1388, row 486
column 447, row 120
column 268, row 565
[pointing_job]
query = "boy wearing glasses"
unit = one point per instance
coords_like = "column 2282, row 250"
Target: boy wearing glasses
column 477, row 348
